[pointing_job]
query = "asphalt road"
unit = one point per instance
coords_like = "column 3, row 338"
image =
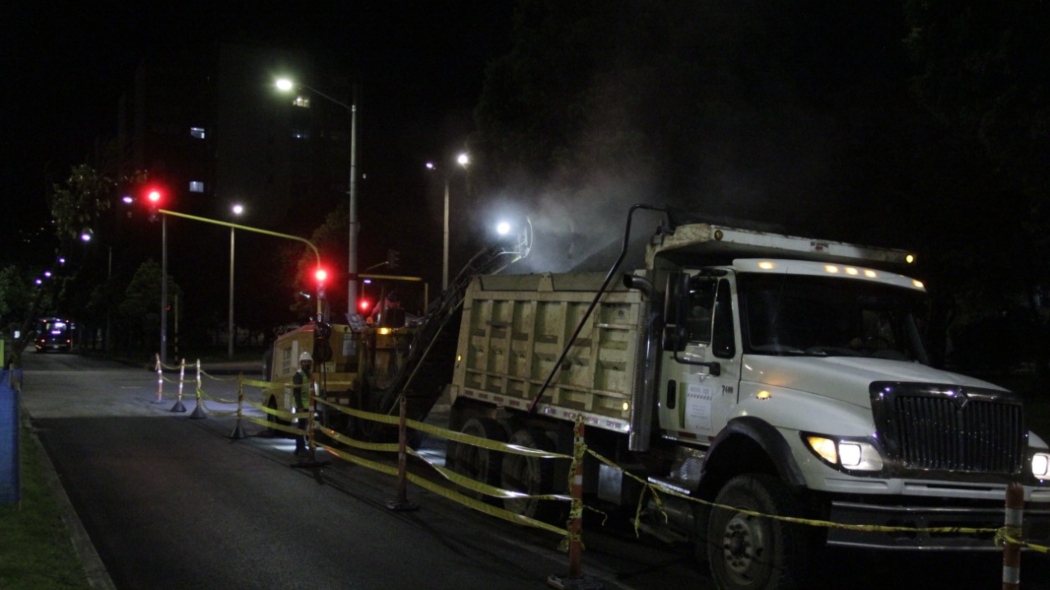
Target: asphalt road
column 170, row 501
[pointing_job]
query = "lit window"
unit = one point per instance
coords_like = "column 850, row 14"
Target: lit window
column 196, row 186
column 197, row 132
column 302, row 101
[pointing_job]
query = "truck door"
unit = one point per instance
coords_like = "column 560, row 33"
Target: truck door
column 701, row 364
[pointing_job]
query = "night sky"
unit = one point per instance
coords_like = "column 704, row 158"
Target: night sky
column 420, row 64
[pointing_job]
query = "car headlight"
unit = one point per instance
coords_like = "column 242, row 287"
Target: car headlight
column 1041, row 465
column 853, row 455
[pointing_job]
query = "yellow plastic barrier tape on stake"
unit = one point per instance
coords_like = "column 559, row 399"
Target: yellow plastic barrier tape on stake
column 367, row 446
column 871, row 528
column 206, row 374
column 483, row 507
column 381, row 418
column 446, row 493
column 485, row 443
column 217, row 399
column 476, row 441
column 266, row 385
column 483, row 488
column 282, row 414
column 1003, row 536
column 373, row 465
column 276, row 425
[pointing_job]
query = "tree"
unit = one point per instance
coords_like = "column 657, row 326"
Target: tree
column 329, row 239
column 138, row 313
column 77, row 204
column 983, row 72
column 15, row 298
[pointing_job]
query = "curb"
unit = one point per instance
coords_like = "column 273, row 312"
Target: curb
column 94, row 569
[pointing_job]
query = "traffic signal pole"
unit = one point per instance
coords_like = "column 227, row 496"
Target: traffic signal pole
column 164, row 288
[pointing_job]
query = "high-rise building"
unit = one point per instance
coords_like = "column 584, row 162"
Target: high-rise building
column 210, row 126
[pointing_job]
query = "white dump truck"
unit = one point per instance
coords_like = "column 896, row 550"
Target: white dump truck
column 781, row 374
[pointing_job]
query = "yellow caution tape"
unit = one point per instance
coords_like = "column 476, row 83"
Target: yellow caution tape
column 210, row 376
column 483, row 488
column 216, row 399
column 483, row 442
column 477, row 441
column 266, row 385
column 1007, row 535
column 796, row 520
column 483, row 507
column 446, row 493
column 384, row 419
column 282, row 414
column 276, row 426
column 367, row 446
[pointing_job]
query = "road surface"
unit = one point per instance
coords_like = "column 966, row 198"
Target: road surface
column 171, row 501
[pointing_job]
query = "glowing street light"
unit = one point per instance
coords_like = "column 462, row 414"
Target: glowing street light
column 462, row 159
column 237, row 209
column 287, row 85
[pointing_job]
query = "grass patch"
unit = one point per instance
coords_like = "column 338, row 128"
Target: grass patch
column 35, row 547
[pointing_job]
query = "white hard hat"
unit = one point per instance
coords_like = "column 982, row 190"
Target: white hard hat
column 305, row 356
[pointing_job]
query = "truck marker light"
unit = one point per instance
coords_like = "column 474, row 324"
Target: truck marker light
column 831, row 268
column 918, row 284
column 626, row 406
column 852, row 271
column 910, row 259
column 1041, row 465
column 825, row 447
column 384, row 331
column 870, row 274
column 762, row 394
column 766, row 265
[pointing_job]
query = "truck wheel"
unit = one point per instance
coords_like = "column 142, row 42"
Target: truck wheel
column 529, row 475
column 479, row 464
column 752, row 552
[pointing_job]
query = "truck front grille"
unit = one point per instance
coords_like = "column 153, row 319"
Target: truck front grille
column 950, row 429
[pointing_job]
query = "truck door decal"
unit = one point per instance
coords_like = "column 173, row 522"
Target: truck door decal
column 698, row 408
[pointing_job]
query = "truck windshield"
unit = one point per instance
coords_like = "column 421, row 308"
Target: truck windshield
column 786, row 314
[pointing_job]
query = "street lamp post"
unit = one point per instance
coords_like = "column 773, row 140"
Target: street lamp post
column 86, row 236
column 286, row 85
column 463, row 159
column 237, row 210
column 163, row 289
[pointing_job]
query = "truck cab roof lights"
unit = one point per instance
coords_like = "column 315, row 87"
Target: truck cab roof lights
column 806, row 267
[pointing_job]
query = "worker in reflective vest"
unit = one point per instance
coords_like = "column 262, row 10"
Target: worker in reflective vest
column 301, row 378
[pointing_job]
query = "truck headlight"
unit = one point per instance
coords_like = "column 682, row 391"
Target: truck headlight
column 1041, row 465
column 848, row 454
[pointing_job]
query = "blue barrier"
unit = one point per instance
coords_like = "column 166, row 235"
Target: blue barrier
column 10, row 486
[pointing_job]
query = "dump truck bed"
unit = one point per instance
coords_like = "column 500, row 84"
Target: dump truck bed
column 514, row 329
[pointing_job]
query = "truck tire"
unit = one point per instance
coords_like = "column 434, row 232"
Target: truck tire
column 481, row 465
column 752, row 552
column 529, row 475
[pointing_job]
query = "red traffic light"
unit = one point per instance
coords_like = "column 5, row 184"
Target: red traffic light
column 154, row 196
column 321, row 275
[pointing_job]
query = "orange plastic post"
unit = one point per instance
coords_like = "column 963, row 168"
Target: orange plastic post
column 1012, row 528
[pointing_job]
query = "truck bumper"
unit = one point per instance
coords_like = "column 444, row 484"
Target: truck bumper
column 984, row 516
